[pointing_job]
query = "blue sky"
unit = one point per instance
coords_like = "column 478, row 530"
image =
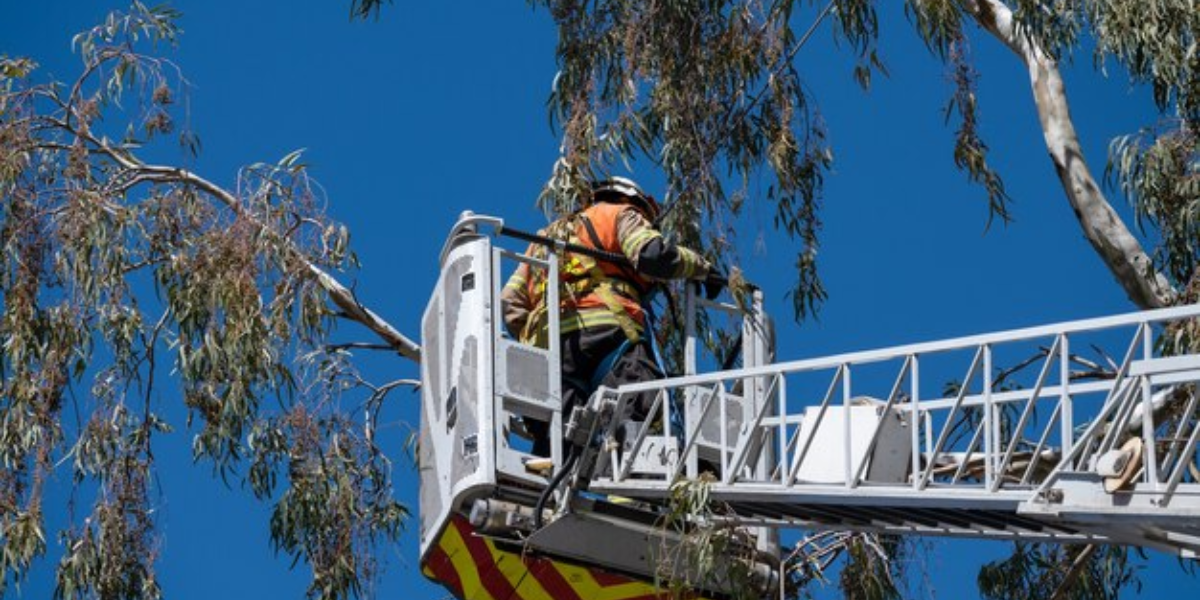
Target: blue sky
column 440, row 107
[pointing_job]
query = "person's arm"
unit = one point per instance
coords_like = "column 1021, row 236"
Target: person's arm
column 515, row 302
column 654, row 255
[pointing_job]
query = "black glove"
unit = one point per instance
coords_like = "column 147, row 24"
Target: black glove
column 714, row 282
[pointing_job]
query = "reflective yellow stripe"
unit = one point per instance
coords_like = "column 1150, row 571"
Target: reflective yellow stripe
column 691, row 264
column 532, row 577
column 632, row 244
column 468, row 572
column 517, row 574
column 599, row 317
column 587, row 587
column 632, row 330
column 517, row 281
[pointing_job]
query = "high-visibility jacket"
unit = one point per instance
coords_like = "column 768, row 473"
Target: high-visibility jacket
column 597, row 293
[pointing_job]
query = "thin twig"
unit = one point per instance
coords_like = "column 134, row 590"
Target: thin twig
column 356, row 345
column 338, row 293
column 1081, row 559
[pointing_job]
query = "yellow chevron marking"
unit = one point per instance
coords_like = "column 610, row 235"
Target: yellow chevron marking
column 468, row 573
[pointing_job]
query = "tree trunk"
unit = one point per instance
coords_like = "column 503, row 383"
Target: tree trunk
column 1103, row 228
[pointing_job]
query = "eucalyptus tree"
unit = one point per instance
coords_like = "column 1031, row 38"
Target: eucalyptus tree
column 710, row 88
column 242, row 287
column 712, row 92
column 115, row 271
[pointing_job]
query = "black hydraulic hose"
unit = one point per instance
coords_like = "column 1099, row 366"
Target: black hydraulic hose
column 602, row 255
column 554, row 482
column 541, row 240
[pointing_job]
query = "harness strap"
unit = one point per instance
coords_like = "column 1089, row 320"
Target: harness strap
column 606, row 364
column 629, row 273
column 604, row 291
column 581, row 276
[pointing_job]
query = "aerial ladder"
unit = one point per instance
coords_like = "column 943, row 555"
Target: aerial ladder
column 931, row 439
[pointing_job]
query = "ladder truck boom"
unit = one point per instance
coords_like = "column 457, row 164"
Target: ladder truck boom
column 1058, row 450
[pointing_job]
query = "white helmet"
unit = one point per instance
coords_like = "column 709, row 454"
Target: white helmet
column 625, row 190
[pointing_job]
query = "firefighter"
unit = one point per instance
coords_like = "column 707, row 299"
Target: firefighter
column 603, row 322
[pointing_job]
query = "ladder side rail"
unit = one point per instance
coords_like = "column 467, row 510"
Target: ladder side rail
column 807, row 442
column 1023, row 420
column 1166, row 364
column 972, row 400
column 1063, row 411
column 942, row 531
column 961, row 343
column 930, row 406
column 891, row 401
column 931, row 461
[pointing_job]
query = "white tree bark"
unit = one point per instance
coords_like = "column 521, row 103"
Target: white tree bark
column 1103, row 228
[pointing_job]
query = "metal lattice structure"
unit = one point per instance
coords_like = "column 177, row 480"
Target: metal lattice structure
column 1079, row 431
column 881, row 454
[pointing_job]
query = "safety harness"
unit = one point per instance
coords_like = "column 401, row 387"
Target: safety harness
column 582, row 276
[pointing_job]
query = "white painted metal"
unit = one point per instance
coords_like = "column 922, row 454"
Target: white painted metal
column 996, row 450
column 995, row 456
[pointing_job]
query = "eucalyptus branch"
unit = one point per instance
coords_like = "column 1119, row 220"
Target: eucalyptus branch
column 785, row 63
column 150, row 354
column 338, row 293
column 1077, row 568
column 102, row 56
column 357, row 346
